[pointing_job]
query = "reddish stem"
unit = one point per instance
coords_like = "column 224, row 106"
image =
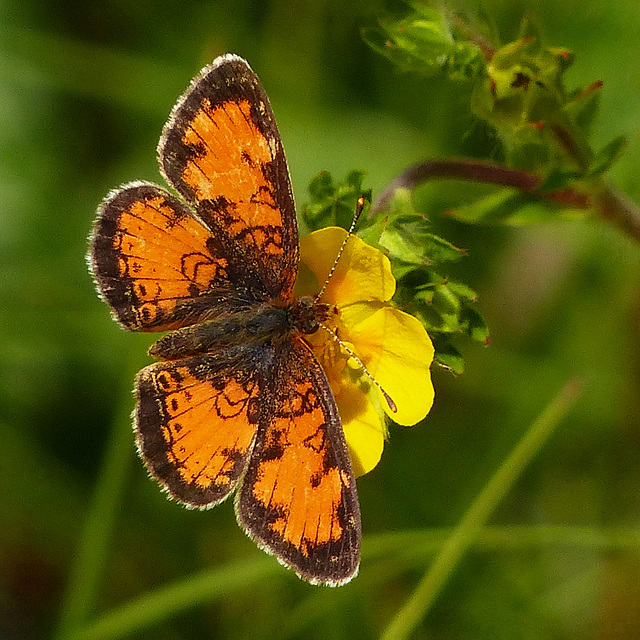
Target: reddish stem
column 477, row 171
column 608, row 202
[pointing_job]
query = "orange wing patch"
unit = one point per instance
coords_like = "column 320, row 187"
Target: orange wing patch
column 298, row 486
column 233, row 168
column 195, row 426
column 232, row 172
column 150, row 257
column 225, row 173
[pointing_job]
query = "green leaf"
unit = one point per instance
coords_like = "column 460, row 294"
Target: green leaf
column 321, row 187
column 463, row 291
column 406, row 239
column 448, row 357
column 477, row 328
column 405, row 235
column 446, row 302
column 414, row 37
column 583, row 106
column 419, row 38
column 333, row 204
column 607, row 156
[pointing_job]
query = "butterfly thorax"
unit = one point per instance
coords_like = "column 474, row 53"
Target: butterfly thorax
column 273, row 321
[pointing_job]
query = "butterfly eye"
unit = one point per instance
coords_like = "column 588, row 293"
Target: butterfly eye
column 306, row 314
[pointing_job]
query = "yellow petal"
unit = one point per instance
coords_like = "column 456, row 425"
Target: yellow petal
column 362, row 273
column 363, row 428
column 397, row 351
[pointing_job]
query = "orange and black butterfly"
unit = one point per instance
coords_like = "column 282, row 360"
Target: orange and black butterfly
column 238, row 401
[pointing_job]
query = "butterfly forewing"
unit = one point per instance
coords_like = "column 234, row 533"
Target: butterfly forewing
column 222, row 151
column 152, row 260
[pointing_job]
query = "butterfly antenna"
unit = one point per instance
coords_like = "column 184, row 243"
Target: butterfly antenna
column 356, row 215
column 387, row 397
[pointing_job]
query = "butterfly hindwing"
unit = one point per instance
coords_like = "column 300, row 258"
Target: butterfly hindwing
column 298, row 497
column 196, row 420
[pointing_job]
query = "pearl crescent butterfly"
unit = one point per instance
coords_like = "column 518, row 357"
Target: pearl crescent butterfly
column 237, row 402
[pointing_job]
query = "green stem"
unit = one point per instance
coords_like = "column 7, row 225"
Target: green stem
column 463, row 536
column 160, row 605
column 88, row 566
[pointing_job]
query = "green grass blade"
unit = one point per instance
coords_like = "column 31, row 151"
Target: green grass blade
column 157, row 606
column 88, row 567
column 463, row 536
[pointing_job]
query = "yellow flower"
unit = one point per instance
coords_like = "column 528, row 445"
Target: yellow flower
column 393, row 345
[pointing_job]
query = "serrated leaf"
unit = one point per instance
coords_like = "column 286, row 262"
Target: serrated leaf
column 408, row 240
column 401, row 203
column 371, row 230
column 582, row 108
column 463, row 291
column 415, row 38
column 430, row 318
column 441, row 250
column 321, row 187
column 447, row 356
column 421, row 278
column 425, row 295
column 446, row 301
column 400, row 269
column 331, row 203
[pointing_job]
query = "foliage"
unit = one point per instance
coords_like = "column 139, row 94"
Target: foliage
column 445, row 307
column 519, row 90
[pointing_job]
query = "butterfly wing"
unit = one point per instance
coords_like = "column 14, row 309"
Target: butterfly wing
column 298, row 496
column 222, row 151
column 196, row 420
column 154, row 263
column 161, row 265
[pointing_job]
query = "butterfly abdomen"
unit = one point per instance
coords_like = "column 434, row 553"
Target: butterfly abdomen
column 255, row 325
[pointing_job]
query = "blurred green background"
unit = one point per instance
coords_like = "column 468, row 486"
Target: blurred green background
column 85, row 89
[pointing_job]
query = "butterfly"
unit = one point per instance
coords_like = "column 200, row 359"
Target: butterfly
column 237, row 403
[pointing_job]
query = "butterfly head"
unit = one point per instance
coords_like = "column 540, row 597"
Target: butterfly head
column 307, row 313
